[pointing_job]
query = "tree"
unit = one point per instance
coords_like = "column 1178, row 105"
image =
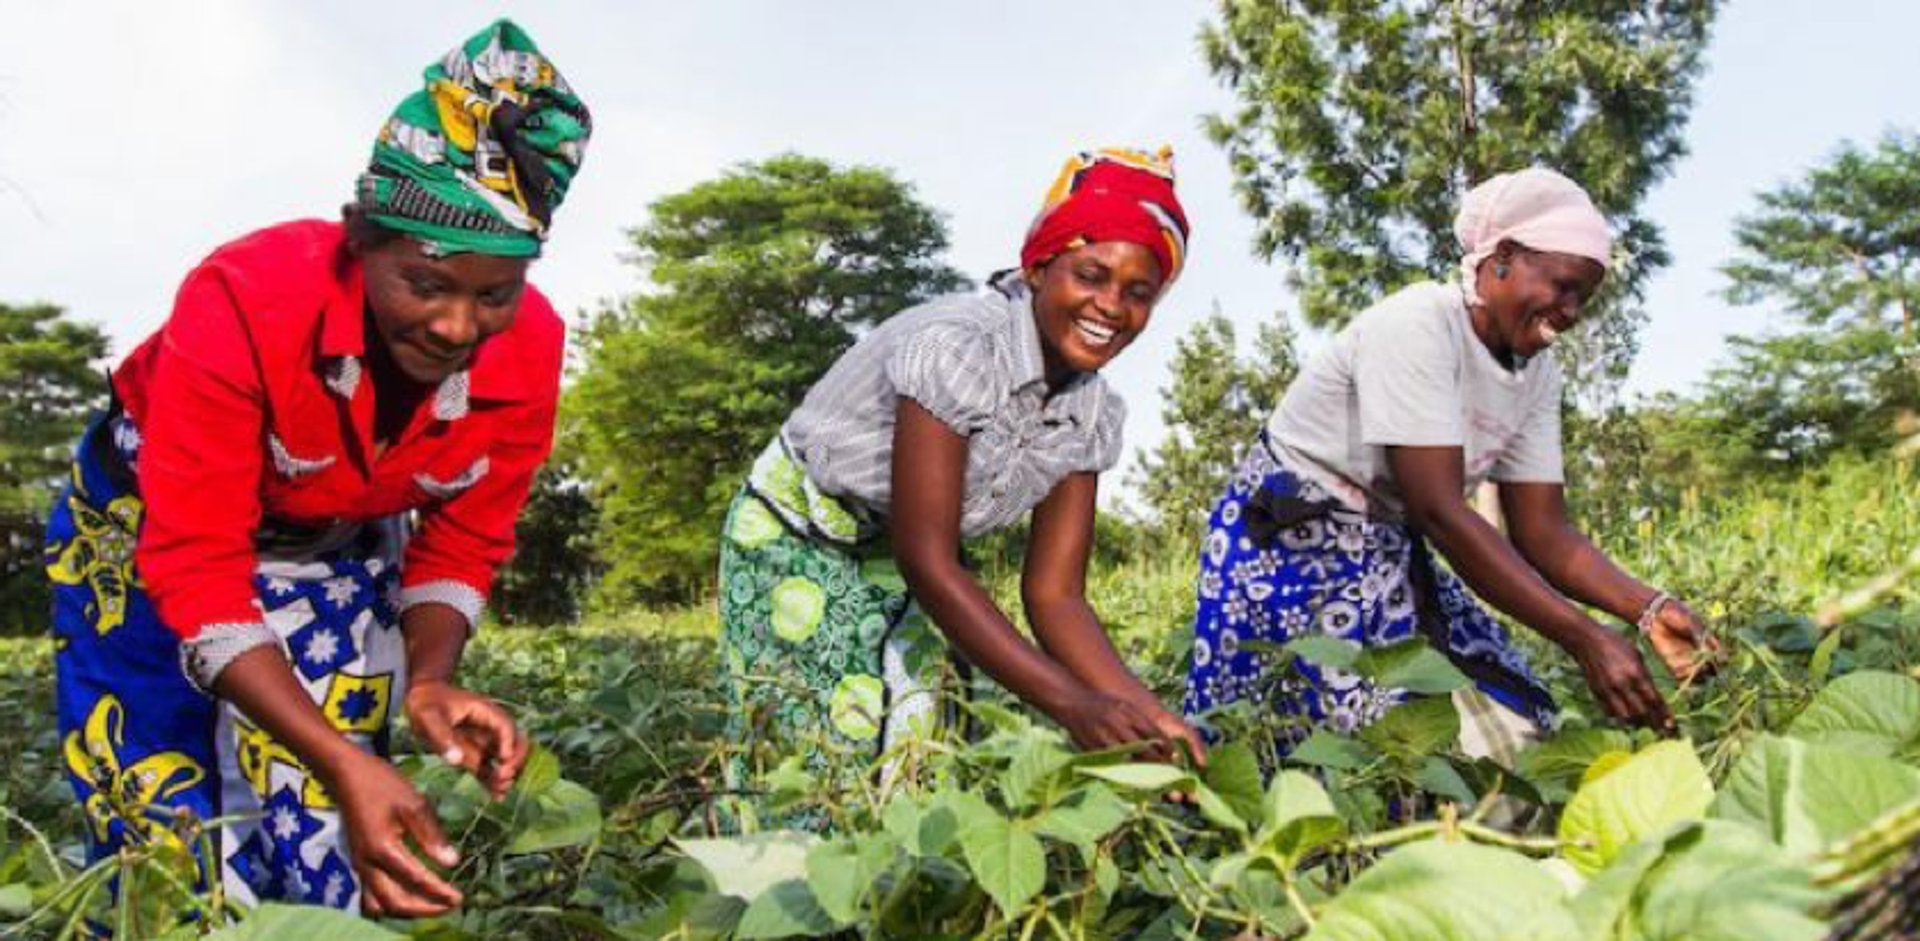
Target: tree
column 49, row 383
column 1839, row 251
column 758, row 281
column 1213, row 412
column 554, row 563
column 1841, row 247
column 1361, row 124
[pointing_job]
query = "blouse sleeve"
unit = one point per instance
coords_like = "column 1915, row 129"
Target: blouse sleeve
column 945, row 368
column 200, row 467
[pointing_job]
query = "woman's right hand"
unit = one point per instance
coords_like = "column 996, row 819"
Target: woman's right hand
column 1620, row 681
column 1096, row 720
column 380, row 811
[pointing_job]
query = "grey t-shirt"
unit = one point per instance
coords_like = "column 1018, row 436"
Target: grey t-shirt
column 1410, row 371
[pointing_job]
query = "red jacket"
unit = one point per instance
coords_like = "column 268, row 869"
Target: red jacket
column 250, row 402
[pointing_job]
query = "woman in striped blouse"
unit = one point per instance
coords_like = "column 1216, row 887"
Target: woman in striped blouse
column 951, row 420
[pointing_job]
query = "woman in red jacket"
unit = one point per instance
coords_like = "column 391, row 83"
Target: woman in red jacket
column 285, row 527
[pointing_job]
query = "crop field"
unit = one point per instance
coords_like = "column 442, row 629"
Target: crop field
column 1786, row 809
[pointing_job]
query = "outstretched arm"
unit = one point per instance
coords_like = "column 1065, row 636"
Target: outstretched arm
column 1433, row 479
column 1537, row 519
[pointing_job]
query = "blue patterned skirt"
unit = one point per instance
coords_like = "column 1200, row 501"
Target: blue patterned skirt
column 1284, row 558
column 144, row 747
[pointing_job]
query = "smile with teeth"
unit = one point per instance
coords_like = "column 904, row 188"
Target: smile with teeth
column 1094, row 332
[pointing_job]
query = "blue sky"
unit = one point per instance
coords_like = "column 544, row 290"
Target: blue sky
column 135, row 137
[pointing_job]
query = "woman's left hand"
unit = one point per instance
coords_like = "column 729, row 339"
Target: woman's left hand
column 467, row 729
column 1683, row 642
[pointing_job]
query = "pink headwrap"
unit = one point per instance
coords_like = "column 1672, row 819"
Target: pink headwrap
column 1535, row 207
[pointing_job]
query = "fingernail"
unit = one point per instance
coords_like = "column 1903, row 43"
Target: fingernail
column 448, row 856
column 453, row 755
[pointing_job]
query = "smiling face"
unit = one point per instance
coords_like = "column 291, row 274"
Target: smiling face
column 1540, row 296
column 432, row 313
column 1090, row 302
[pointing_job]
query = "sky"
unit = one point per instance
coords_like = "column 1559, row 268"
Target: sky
column 135, row 137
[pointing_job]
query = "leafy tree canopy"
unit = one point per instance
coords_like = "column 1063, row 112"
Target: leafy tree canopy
column 1360, row 123
column 757, row 282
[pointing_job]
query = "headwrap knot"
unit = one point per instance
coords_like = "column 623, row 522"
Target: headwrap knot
column 1112, row 195
column 1534, row 207
column 479, row 158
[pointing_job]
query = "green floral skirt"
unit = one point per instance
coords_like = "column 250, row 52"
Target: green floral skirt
column 825, row 656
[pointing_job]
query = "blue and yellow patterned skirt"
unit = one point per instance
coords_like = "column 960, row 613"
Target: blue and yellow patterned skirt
column 144, row 747
column 1284, row 559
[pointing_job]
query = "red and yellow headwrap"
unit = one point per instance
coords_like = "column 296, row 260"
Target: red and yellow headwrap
column 1112, row 195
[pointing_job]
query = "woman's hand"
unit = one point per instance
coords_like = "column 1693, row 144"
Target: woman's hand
column 1619, row 679
column 467, row 729
column 1683, row 642
column 380, row 811
column 1097, row 721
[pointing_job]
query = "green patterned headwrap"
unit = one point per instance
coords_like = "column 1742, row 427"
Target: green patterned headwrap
column 478, row 159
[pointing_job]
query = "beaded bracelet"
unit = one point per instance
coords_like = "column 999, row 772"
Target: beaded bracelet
column 1652, row 611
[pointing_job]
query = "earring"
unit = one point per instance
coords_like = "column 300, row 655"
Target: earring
column 1500, row 271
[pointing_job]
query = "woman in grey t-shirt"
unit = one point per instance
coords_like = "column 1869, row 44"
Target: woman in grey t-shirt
column 840, row 577
column 1326, row 527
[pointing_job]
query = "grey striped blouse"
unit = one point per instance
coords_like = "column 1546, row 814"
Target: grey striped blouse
column 973, row 361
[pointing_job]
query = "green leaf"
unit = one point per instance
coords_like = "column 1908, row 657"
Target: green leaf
column 1037, row 762
column 278, row 922
column 785, row 910
column 1661, row 786
column 1106, row 877
column 1805, row 796
column 1820, row 666
column 1557, row 764
column 789, row 782
column 1218, row 812
column 1706, row 881
column 1324, row 749
column 1233, row 772
column 15, row 899
column 1415, row 729
column 1324, row 651
column 541, row 771
column 1439, row 777
column 840, row 872
column 999, row 717
column 1141, row 776
column 1449, row 891
column 1412, row 665
column 924, row 827
column 745, row 866
column 1299, row 817
column 1870, row 712
column 1006, row 860
column 1085, row 818
column 562, row 814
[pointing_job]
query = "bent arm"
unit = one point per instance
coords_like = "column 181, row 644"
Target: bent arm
column 1432, row 479
column 929, row 477
column 1053, row 587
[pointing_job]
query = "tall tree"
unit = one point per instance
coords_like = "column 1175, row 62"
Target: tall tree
column 1213, row 411
column 1362, row 122
column 758, row 281
column 1840, row 247
column 49, row 382
column 1838, row 251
